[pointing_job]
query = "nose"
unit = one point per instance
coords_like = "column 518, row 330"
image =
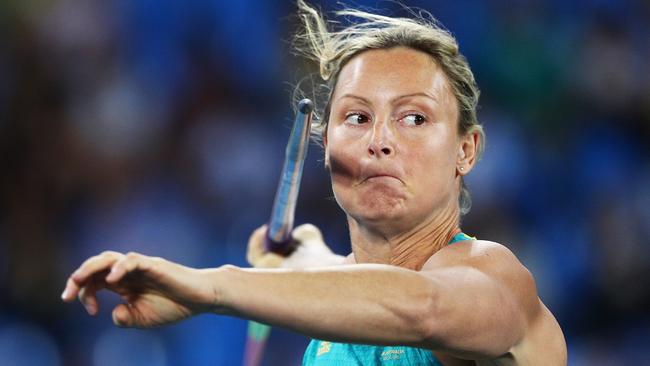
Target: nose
column 380, row 141
column 379, row 149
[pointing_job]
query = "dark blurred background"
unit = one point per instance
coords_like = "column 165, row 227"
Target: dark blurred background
column 159, row 127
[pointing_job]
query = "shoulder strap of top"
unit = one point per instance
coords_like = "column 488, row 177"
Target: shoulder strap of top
column 460, row 237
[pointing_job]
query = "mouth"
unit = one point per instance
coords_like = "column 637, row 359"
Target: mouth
column 380, row 174
column 381, row 178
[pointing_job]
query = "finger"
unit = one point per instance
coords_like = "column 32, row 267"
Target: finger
column 93, row 265
column 70, row 292
column 307, row 232
column 88, row 295
column 88, row 301
column 256, row 247
column 129, row 263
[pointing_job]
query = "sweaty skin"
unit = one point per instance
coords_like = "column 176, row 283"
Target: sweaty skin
column 395, row 157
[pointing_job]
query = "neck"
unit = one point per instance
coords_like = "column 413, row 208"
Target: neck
column 408, row 249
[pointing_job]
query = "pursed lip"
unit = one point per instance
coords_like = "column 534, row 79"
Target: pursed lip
column 380, row 176
column 370, row 173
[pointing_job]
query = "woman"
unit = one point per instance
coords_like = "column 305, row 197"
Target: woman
column 400, row 133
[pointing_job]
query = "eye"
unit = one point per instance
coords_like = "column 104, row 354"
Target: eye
column 414, row 119
column 356, row 118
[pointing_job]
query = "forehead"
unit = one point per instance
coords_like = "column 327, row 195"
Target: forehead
column 389, row 73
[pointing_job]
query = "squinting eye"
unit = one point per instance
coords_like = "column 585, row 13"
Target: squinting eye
column 356, row 119
column 414, row 119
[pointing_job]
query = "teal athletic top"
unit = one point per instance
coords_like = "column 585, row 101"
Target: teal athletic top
column 322, row 353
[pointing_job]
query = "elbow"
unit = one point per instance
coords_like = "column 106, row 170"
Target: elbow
column 426, row 320
column 435, row 326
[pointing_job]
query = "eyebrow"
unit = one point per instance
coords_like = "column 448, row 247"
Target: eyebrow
column 366, row 101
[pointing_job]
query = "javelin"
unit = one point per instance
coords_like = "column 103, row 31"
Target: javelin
column 278, row 235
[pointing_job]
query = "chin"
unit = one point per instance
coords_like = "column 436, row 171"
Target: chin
column 377, row 209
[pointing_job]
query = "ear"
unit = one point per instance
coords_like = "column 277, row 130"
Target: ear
column 467, row 151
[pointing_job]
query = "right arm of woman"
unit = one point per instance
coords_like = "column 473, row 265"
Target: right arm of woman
column 363, row 303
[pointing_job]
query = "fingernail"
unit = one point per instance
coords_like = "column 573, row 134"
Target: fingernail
column 64, row 295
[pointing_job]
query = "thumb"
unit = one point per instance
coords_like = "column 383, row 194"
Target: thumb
column 123, row 316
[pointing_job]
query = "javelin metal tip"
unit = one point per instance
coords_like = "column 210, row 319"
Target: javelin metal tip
column 305, row 106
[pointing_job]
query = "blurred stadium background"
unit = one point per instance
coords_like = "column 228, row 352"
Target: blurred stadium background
column 159, row 126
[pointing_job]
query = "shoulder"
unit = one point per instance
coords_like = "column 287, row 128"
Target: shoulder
column 494, row 261
column 481, row 254
column 500, row 278
column 473, row 248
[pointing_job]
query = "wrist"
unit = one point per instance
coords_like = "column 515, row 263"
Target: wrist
column 217, row 286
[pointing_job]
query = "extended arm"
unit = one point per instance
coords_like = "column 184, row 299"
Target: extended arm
column 470, row 307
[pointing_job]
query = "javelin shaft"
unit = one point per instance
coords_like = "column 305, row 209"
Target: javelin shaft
column 278, row 235
column 284, row 206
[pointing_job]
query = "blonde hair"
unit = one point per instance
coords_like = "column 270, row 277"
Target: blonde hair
column 332, row 49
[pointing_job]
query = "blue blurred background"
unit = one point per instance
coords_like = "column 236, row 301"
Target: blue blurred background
column 159, row 126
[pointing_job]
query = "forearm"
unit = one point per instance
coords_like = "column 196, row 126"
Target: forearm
column 310, row 261
column 375, row 304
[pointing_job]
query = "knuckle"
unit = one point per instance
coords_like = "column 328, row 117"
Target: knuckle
column 88, row 262
column 156, row 260
column 153, row 262
column 109, row 254
column 132, row 255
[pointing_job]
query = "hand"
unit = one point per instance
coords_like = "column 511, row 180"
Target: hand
column 311, row 250
column 155, row 291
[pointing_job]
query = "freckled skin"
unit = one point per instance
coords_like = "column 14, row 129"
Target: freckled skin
column 423, row 157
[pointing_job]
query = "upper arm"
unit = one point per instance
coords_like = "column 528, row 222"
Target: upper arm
column 484, row 299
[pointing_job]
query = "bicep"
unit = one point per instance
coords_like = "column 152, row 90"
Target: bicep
column 482, row 304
